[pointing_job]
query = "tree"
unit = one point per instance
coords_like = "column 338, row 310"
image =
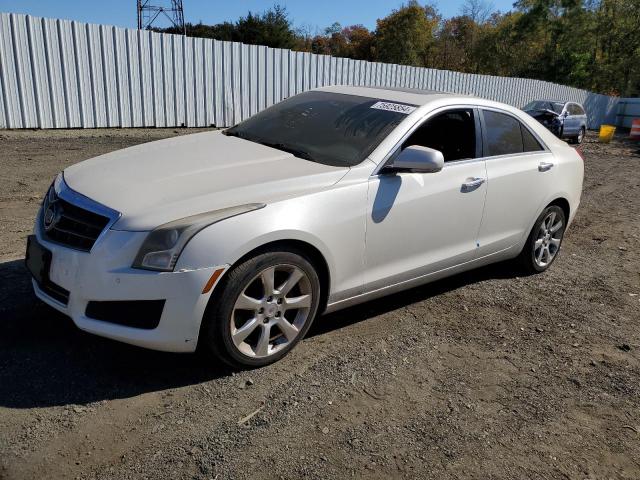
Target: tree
column 406, row 36
column 361, row 42
column 616, row 49
column 271, row 28
column 479, row 11
column 355, row 41
column 455, row 45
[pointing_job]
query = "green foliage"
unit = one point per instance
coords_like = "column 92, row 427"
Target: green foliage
column 271, row 28
column 406, row 36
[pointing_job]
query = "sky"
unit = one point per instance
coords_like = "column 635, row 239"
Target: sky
column 314, row 16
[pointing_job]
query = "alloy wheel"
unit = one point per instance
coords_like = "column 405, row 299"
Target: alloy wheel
column 548, row 239
column 271, row 311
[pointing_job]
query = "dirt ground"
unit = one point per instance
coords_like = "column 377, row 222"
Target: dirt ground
column 486, row 375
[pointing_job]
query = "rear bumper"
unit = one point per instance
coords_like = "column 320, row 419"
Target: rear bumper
column 105, row 274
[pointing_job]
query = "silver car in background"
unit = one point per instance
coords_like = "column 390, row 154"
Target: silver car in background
column 564, row 119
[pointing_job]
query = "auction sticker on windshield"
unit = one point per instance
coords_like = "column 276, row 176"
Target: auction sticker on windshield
column 394, row 107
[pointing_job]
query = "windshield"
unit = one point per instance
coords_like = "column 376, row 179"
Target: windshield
column 324, row 127
column 543, row 105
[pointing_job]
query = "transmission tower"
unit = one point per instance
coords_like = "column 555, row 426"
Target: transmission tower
column 150, row 11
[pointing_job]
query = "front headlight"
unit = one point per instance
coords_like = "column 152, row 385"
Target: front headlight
column 162, row 247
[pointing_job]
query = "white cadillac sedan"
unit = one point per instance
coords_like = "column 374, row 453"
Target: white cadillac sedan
column 236, row 240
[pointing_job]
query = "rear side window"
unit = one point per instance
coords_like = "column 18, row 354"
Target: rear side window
column 503, row 134
column 506, row 135
column 529, row 142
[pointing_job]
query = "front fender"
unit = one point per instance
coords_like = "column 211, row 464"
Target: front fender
column 320, row 220
column 231, row 239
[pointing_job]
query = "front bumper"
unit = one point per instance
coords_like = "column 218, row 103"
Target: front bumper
column 104, row 274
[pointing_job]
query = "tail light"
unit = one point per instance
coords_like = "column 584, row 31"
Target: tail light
column 580, row 152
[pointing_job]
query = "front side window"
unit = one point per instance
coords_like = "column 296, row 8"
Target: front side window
column 507, row 135
column 324, row 127
column 452, row 132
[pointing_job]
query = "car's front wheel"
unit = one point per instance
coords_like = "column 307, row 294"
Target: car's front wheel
column 264, row 307
column 545, row 238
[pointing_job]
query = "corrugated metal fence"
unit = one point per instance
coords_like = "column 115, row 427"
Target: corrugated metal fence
column 628, row 110
column 65, row 74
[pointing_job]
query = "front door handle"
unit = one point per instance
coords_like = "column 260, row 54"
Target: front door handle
column 545, row 166
column 472, row 183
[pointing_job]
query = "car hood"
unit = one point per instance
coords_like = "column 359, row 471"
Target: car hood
column 157, row 182
column 542, row 113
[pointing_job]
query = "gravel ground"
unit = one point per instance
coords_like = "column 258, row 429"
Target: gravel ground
column 485, row 375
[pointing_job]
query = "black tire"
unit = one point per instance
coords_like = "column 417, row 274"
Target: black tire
column 527, row 257
column 216, row 332
column 577, row 140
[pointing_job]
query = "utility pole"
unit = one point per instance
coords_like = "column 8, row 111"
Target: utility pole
column 149, row 11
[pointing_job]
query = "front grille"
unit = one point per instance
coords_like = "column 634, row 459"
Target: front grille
column 70, row 225
column 143, row 314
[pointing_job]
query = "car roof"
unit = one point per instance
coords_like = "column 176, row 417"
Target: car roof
column 413, row 96
column 421, row 98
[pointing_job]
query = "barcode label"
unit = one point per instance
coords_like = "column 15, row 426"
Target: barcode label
column 394, row 107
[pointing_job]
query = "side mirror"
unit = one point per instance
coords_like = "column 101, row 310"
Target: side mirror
column 419, row 159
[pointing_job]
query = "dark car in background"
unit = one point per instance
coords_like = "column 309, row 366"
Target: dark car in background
column 565, row 119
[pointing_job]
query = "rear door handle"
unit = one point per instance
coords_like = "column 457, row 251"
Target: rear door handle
column 545, row 167
column 472, row 183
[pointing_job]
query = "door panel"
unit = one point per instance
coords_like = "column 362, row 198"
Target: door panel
column 516, row 189
column 421, row 223
column 571, row 122
column 570, row 125
column 518, row 181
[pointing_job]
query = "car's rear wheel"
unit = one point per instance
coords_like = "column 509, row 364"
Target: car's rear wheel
column 264, row 307
column 580, row 136
column 543, row 244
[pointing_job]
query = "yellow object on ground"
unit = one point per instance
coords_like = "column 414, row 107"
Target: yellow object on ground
column 606, row 133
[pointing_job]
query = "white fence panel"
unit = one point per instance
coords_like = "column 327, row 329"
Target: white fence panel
column 65, row 74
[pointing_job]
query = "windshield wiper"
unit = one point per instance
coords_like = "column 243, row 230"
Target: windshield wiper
column 289, row 149
column 278, row 145
column 229, row 133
